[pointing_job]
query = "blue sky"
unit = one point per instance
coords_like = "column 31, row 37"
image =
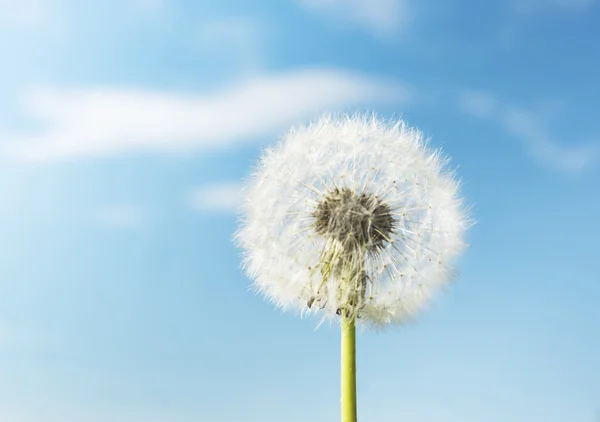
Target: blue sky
column 126, row 128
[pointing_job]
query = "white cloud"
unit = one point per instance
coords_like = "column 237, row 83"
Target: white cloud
column 223, row 197
column 382, row 17
column 528, row 128
column 572, row 159
column 120, row 216
column 109, row 121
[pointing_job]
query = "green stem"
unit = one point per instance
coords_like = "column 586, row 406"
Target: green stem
column 348, row 368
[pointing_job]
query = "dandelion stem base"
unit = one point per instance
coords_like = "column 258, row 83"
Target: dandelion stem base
column 348, row 368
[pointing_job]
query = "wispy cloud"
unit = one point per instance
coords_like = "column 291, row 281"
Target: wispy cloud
column 529, row 129
column 218, row 197
column 109, row 121
column 542, row 146
column 120, row 216
column 381, row 17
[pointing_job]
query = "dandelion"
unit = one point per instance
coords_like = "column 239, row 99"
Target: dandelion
column 355, row 219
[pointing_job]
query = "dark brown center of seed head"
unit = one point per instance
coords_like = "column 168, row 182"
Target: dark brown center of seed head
column 356, row 220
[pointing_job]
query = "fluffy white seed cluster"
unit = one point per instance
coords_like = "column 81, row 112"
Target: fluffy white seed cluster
column 352, row 214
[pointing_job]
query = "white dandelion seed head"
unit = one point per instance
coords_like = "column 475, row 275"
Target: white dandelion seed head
column 352, row 214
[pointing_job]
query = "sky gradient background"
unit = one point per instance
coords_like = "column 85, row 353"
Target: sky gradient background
column 127, row 127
